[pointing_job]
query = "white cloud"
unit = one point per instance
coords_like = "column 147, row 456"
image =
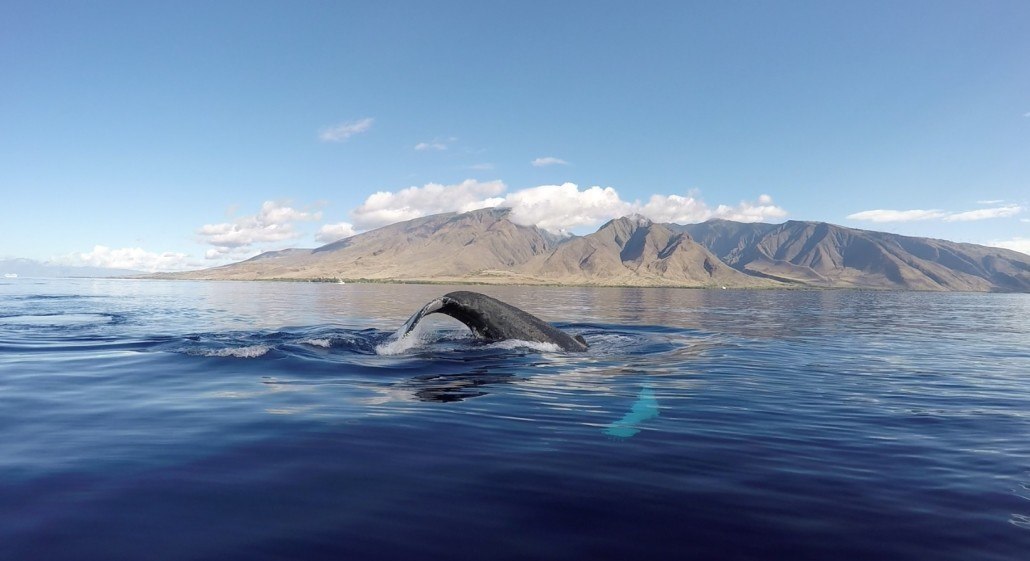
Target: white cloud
column 423, row 146
column 557, row 208
column 675, row 208
column 341, row 132
column 437, row 144
column 1021, row 245
column 230, row 253
column 274, row 223
column 386, row 207
column 913, row 215
column 689, row 210
column 882, row 215
column 134, row 258
column 991, row 202
column 548, row 161
column 563, row 207
column 984, row 213
column 751, row 211
column 330, row 233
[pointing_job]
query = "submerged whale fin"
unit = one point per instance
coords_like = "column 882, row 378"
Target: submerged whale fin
column 645, row 407
column 493, row 320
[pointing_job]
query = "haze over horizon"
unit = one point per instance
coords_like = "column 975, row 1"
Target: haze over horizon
column 165, row 137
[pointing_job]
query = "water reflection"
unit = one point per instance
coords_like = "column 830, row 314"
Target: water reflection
column 446, row 388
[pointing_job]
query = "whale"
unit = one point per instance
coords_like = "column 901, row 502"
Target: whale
column 492, row 320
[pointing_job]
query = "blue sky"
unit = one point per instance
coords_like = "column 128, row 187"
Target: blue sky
column 188, row 134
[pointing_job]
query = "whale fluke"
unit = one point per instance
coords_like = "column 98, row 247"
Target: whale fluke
column 493, row 320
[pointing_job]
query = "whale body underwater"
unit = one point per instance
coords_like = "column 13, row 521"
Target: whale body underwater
column 493, row 320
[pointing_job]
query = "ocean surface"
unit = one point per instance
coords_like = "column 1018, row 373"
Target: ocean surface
column 172, row 420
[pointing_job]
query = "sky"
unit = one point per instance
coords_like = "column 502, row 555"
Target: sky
column 180, row 135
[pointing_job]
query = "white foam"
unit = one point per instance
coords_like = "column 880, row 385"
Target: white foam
column 509, row 344
column 252, row 351
column 397, row 345
column 324, row 343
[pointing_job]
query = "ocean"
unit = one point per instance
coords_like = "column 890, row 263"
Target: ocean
column 175, row 420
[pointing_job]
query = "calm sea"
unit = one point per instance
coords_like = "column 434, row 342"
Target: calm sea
column 179, row 420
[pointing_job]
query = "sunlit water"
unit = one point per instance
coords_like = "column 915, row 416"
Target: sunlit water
column 179, row 420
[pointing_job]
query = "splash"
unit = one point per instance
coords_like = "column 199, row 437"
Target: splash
column 401, row 342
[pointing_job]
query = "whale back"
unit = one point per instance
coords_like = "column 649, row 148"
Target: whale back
column 490, row 319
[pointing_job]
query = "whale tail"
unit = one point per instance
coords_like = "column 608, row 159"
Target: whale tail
column 493, row 320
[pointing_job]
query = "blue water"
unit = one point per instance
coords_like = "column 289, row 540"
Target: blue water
column 178, row 420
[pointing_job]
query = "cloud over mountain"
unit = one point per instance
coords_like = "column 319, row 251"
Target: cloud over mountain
column 984, row 213
column 563, row 207
column 273, row 223
column 387, row 207
column 688, row 209
column 884, row 215
column 330, row 233
column 556, row 208
column 1021, row 245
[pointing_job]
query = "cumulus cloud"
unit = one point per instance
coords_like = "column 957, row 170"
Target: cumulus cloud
column 230, row 253
column 984, row 213
column 1021, row 245
column 562, row 207
column 751, row 211
column 135, row 258
column 883, row 215
column 548, row 161
column 386, row 207
column 688, row 210
column 274, row 223
column 343, row 131
column 557, row 208
column 330, row 233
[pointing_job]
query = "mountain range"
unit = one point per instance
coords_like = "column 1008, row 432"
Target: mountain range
column 485, row 246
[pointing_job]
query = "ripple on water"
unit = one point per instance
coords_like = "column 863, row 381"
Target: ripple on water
column 56, row 320
column 699, row 424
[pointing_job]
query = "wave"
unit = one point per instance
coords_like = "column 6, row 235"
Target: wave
column 252, row 351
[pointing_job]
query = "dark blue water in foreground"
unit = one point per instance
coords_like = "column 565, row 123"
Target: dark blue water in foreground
column 177, row 420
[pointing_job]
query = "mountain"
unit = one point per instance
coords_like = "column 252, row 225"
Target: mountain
column 42, row 269
column 443, row 247
column 486, row 246
column 824, row 255
column 635, row 251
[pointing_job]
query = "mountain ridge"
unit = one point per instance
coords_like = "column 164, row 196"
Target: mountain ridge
column 485, row 246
